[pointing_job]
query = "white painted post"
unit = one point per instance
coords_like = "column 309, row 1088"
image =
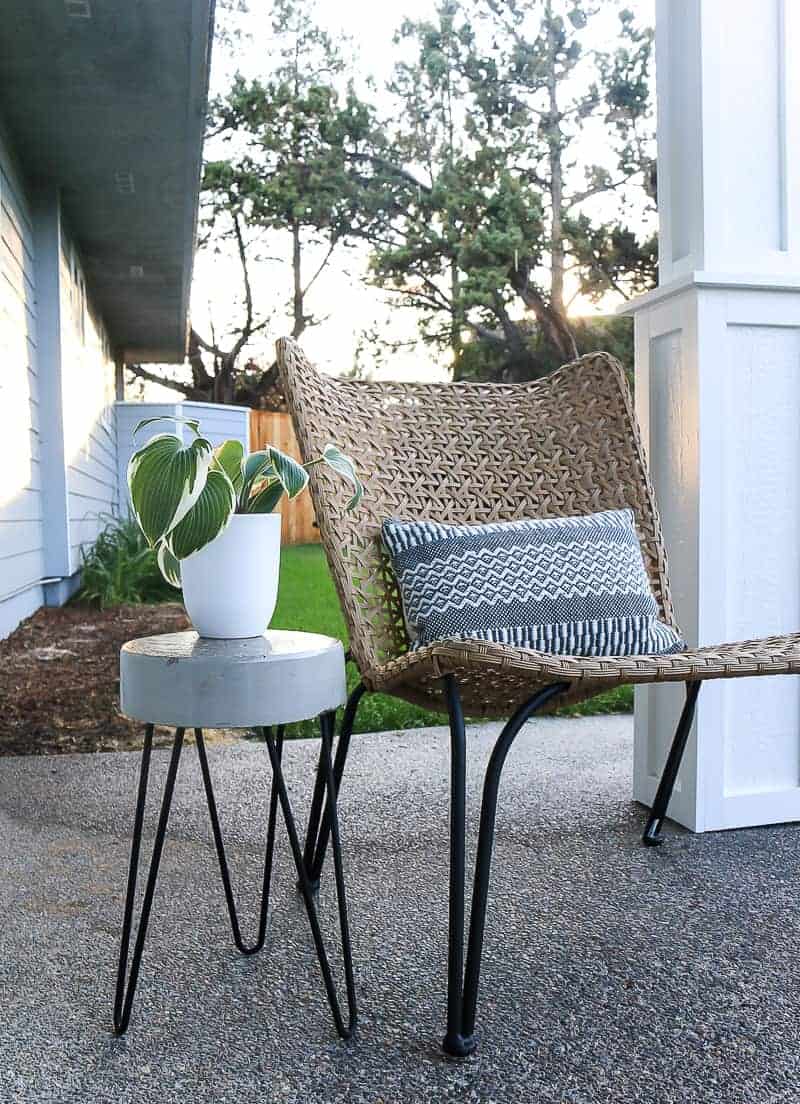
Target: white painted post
column 718, row 394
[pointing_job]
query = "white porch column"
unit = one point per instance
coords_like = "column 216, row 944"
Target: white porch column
column 718, row 394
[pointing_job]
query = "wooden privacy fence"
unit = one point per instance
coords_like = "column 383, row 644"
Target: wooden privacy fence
column 269, row 427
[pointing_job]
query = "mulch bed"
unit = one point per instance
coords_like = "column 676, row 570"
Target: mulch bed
column 59, row 679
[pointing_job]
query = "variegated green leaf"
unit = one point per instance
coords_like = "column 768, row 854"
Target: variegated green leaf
column 292, row 475
column 230, row 457
column 266, row 498
column 345, row 467
column 165, row 478
column 190, row 422
column 208, row 517
column 256, row 467
column 169, row 564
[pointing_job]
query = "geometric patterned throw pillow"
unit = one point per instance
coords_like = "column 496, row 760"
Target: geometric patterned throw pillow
column 572, row 586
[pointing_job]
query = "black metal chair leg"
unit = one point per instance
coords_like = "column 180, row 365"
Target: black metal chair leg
column 483, row 861
column 319, row 845
column 123, row 1000
column 651, row 837
column 327, row 725
column 454, row 1042
column 253, row 948
column 462, row 986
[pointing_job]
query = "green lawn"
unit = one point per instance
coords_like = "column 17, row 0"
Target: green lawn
column 307, row 600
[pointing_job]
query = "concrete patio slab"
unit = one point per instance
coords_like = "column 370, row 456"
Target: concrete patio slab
column 612, row 973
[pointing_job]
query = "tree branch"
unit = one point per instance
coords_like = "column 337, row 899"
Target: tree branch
column 209, row 346
column 247, row 328
column 488, row 335
column 510, row 329
column 137, row 370
column 397, row 170
column 319, row 270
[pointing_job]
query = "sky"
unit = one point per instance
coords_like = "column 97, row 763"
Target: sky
column 346, row 307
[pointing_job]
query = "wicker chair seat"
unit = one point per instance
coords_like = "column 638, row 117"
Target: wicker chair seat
column 514, row 674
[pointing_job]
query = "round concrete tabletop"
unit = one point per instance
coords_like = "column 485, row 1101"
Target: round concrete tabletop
column 186, row 681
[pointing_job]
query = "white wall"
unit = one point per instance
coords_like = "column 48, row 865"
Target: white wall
column 57, row 426
column 21, row 529
column 87, row 380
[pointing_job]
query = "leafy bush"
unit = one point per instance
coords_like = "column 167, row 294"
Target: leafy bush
column 120, row 568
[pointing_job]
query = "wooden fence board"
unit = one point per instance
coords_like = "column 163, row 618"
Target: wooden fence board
column 268, row 427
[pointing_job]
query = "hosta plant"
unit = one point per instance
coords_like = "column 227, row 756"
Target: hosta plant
column 184, row 495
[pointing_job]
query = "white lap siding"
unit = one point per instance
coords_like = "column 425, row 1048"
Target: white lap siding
column 79, row 371
column 87, row 369
column 21, row 531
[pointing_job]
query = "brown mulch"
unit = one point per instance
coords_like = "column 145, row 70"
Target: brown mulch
column 59, row 679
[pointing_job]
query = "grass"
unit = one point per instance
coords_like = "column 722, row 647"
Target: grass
column 307, row 601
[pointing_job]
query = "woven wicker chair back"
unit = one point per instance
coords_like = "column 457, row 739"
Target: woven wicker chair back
column 464, row 453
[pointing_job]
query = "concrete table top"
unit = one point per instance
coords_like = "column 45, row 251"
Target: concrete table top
column 184, row 680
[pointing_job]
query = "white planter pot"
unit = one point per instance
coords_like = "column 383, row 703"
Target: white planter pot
column 230, row 587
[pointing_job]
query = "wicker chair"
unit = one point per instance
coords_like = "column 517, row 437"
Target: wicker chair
column 561, row 446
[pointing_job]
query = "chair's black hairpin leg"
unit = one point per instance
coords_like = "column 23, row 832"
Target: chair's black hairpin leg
column 123, row 1000
column 319, row 824
column 252, row 948
column 651, row 836
column 462, row 986
column 327, row 722
column 483, row 861
column 454, row 1042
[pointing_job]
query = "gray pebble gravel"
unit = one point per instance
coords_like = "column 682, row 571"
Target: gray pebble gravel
column 612, row 973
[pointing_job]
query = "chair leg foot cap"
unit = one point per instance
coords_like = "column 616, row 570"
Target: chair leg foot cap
column 459, row 1046
column 652, row 834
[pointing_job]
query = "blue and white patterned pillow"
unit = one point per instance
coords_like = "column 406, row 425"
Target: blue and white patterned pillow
column 572, row 586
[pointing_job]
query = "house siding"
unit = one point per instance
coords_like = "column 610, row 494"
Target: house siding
column 21, row 525
column 78, row 376
column 90, row 440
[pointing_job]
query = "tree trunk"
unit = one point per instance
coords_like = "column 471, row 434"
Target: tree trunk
column 297, row 300
column 224, row 381
column 455, row 323
column 557, row 325
column 553, row 324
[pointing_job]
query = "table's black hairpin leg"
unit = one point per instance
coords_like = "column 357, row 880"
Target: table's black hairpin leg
column 246, row 949
column 123, row 1000
column 319, row 826
column 327, row 722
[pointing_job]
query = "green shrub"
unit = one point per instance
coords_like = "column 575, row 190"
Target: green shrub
column 120, row 569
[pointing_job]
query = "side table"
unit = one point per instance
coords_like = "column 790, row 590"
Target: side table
column 183, row 681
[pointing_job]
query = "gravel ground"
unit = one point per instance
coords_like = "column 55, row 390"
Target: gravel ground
column 612, row 973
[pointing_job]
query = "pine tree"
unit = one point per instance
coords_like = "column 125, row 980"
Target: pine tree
column 492, row 108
